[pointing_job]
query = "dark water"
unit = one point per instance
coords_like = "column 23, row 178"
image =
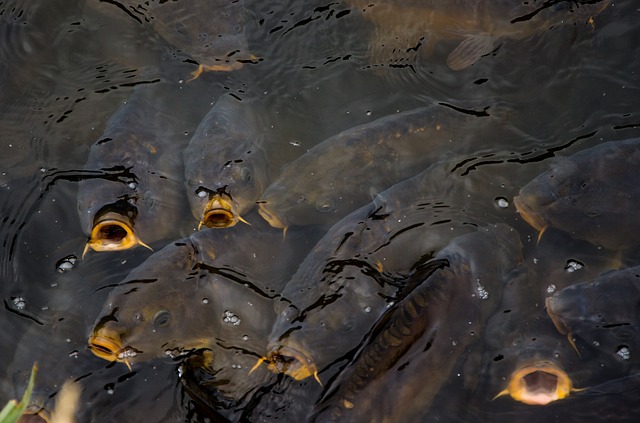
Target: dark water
column 67, row 66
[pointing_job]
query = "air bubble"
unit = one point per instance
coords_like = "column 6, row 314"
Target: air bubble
column 502, row 202
column 624, row 352
column 109, row 387
column 573, row 265
column 367, row 309
column 231, row 318
column 245, row 338
column 482, row 292
column 74, row 354
column 67, row 263
column 132, row 185
column 551, row 289
column 18, row 302
column 205, row 301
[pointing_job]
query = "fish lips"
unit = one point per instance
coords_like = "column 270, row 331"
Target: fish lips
column 292, row 362
column 538, row 384
column 111, row 349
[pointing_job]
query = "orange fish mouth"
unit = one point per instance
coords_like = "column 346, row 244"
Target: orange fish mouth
column 111, row 349
column 538, row 384
column 220, row 213
column 291, row 362
column 113, row 232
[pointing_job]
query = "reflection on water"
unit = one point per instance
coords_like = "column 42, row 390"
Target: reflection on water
column 310, row 70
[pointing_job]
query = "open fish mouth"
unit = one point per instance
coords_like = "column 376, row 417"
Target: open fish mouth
column 538, row 384
column 111, row 349
column 293, row 363
column 220, row 213
column 113, row 232
column 271, row 217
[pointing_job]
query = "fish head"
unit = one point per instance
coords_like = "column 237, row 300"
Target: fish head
column 151, row 313
column 538, row 383
column 548, row 192
column 221, row 201
column 603, row 313
column 316, row 325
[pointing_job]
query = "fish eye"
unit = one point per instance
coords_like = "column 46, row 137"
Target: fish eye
column 161, row 319
column 245, row 174
column 325, row 205
column 201, row 193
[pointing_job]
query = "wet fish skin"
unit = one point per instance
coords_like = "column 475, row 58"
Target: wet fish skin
column 212, row 291
column 521, row 355
column 602, row 314
column 405, row 30
column 414, row 347
column 138, row 182
column 355, row 273
column 339, row 175
column 211, row 33
column 588, row 195
column 225, row 161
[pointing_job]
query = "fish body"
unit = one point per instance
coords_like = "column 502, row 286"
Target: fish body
column 135, row 194
column 415, row 346
column 522, row 356
column 225, row 164
column 213, row 292
column 358, row 269
column 601, row 314
column 590, row 195
column 405, row 28
column 339, row 175
column 211, row 33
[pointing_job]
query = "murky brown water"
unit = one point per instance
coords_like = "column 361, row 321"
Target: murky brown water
column 67, row 66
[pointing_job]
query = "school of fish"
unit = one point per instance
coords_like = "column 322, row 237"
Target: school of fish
column 370, row 276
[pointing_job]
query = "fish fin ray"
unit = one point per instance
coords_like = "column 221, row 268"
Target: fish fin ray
column 470, row 50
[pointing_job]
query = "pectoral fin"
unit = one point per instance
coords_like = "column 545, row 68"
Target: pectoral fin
column 469, row 51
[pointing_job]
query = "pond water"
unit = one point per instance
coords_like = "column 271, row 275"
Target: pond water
column 67, row 66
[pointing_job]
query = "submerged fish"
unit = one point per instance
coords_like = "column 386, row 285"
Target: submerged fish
column 211, row 33
column 339, row 175
column 602, row 314
column 225, row 165
column 404, row 29
column 212, row 291
column 590, row 195
column 136, row 195
column 523, row 357
column 358, row 269
column 415, row 346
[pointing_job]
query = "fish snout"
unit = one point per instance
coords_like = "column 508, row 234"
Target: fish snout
column 292, row 362
column 107, row 343
column 538, row 384
column 219, row 213
column 271, row 217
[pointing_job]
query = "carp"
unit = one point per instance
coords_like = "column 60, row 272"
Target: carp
column 590, row 195
column 415, row 346
column 211, row 292
column 225, row 164
column 359, row 268
column 405, row 29
column 340, row 174
column 135, row 194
